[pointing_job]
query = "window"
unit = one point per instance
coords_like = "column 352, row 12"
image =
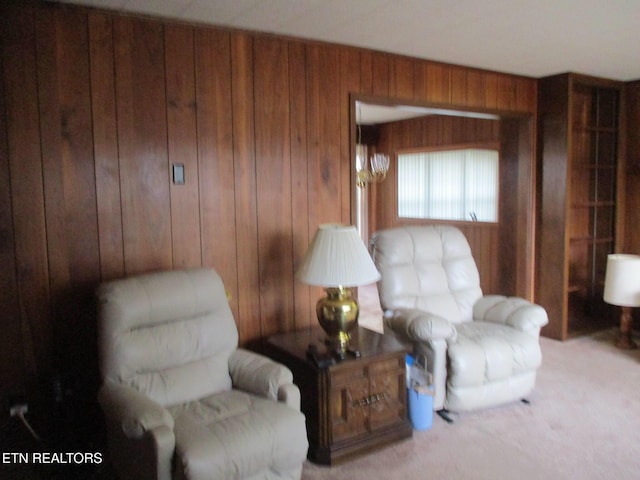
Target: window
column 454, row 184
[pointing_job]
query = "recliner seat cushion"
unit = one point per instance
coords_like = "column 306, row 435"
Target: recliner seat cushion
column 235, row 435
column 485, row 352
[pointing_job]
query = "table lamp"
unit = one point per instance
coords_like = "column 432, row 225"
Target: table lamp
column 337, row 259
column 622, row 288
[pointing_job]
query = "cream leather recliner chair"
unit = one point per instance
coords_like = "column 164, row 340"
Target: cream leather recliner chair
column 482, row 350
column 180, row 400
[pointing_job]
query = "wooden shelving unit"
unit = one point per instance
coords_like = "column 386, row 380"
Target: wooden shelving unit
column 580, row 205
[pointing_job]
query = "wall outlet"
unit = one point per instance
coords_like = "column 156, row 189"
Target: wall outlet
column 17, row 405
column 18, row 409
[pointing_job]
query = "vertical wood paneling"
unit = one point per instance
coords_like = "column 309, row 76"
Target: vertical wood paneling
column 552, row 239
column 509, row 206
column 475, row 89
column 11, row 341
column 304, row 306
column 483, row 241
column 402, row 78
column 526, row 95
column 525, row 232
column 27, row 195
column 244, row 161
column 105, row 146
column 67, row 140
column 273, row 179
column 215, row 157
column 69, row 180
column 261, row 126
column 323, row 123
column 380, row 75
column 507, row 93
column 458, row 85
column 323, row 130
column 419, row 80
column 490, row 90
column 366, row 72
column 349, row 82
column 182, row 144
column 142, row 144
column 438, row 83
column 632, row 232
column 53, row 165
column 631, row 243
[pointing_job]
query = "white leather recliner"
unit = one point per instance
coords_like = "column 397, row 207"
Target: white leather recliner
column 482, row 350
column 180, row 400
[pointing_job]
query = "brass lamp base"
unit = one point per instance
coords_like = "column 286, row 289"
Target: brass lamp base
column 337, row 315
column 625, row 341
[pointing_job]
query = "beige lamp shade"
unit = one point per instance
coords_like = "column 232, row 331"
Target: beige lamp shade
column 622, row 280
column 337, row 257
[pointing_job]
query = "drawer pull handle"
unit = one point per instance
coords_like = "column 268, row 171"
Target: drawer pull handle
column 371, row 399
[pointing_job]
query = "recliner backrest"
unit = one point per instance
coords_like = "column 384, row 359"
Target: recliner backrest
column 167, row 334
column 427, row 267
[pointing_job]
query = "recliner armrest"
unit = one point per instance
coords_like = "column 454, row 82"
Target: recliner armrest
column 418, row 325
column 513, row 311
column 141, row 438
column 290, row 395
column 262, row 376
column 133, row 411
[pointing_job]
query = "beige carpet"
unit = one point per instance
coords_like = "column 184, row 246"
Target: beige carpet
column 583, row 423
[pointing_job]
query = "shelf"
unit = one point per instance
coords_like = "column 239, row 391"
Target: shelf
column 592, row 129
column 594, row 166
column 580, row 126
column 593, row 204
column 590, row 239
column 575, row 288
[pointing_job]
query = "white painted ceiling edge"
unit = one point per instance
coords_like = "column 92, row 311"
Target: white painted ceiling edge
column 521, row 37
column 534, row 38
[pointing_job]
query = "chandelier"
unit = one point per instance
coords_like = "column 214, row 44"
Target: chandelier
column 372, row 171
column 369, row 169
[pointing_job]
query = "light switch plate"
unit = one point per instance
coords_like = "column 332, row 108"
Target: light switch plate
column 178, row 174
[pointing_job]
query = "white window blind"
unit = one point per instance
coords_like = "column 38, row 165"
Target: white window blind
column 460, row 184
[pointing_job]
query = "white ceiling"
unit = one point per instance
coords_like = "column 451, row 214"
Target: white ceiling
column 526, row 37
column 372, row 114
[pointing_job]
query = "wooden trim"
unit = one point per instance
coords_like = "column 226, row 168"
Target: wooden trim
column 458, row 146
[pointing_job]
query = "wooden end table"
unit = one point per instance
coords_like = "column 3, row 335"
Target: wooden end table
column 353, row 405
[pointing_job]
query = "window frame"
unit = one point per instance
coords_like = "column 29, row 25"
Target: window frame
column 443, row 148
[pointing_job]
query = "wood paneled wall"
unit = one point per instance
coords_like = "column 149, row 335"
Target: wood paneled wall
column 434, row 131
column 95, row 107
column 632, row 210
column 632, row 232
column 499, row 249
